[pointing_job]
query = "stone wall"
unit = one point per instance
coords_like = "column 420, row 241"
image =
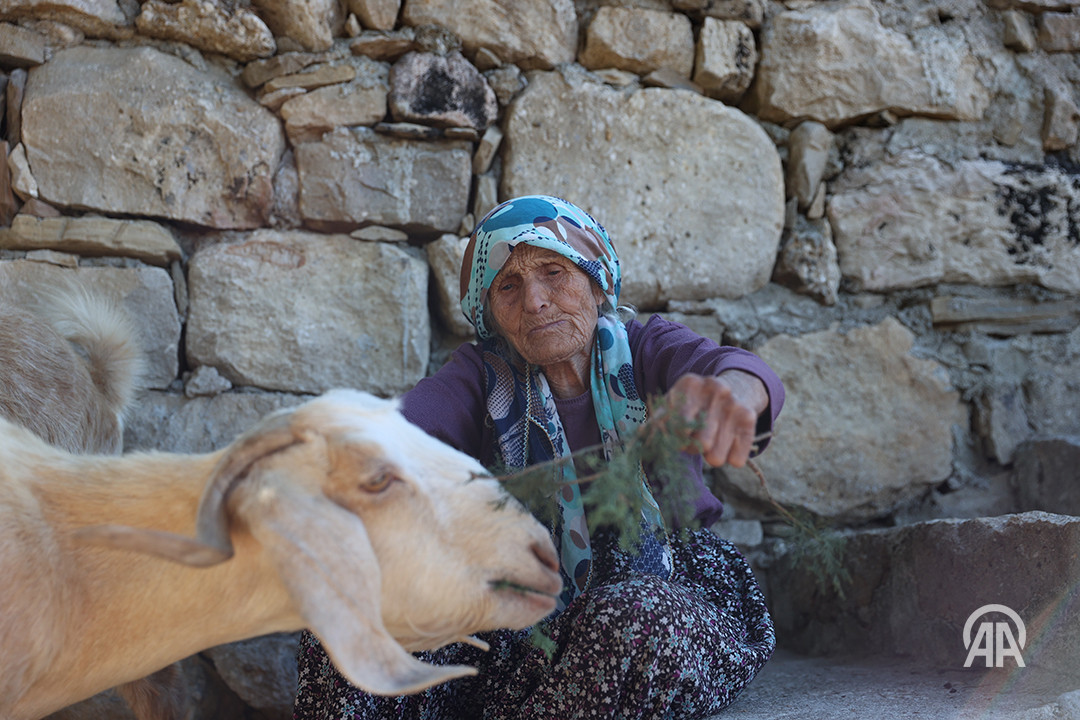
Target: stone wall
column 880, row 198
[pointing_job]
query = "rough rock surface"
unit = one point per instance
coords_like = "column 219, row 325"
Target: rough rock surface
column 441, row 91
column 92, row 236
column 261, row 671
column 356, row 177
column 359, row 100
column 797, row 687
column 97, row 18
column 156, row 137
column 807, row 260
column 174, row 423
column 658, row 190
column 912, row 589
column 238, row 33
column 639, row 41
column 725, row 59
column 311, row 24
column 328, row 297
column 444, row 257
column 872, row 68
column 848, row 447
column 528, row 33
column 376, row 14
column 1044, row 475
column 916, row 220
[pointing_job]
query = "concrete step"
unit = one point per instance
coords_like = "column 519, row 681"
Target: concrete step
column 945, row 619
column 927, row 590
column 797, row 687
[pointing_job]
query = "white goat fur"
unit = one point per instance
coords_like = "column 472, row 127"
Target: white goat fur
column 339, row 516
column 69, row 368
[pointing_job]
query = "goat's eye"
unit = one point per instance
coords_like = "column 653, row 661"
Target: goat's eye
column 379, row 483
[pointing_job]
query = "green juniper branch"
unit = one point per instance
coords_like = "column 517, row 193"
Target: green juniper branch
column 819, row 551
column 612, row 498
column 610, row 487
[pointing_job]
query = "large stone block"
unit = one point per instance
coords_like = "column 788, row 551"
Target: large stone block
column 443, row 91
column 725, row 58
column 837, row 62
column 20, row 47
column 528, row 33
column 173, row 423
column 690, row 190
column 360, row 100
column 355, row 177
column 1045, row 475
column 305, row 313
column 97, row 18
column 639, row 40
column 313, row 24
column 376, row 14
column 914, row 220
column 92, row 236
column 237, row 32
column 866, row 425
column 1058, row 32
column 444, row 256
column 137, row 131
column 262, row 671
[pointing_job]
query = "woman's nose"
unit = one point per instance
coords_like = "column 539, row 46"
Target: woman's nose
column 537, row 296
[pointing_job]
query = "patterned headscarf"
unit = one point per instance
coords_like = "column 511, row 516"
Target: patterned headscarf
column 519, row 400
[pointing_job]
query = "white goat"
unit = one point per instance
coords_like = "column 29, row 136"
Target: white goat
column 69, row 369
column 339, row 516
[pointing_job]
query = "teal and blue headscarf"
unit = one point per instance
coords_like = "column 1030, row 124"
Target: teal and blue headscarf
column 519, row 401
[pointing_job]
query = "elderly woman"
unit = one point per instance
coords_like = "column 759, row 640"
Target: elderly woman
column 674, row 630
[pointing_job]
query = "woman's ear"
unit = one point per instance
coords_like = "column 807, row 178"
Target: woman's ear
column 598, row 295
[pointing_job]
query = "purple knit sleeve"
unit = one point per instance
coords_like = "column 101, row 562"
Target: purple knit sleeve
column 664, row 351
column 449, row 405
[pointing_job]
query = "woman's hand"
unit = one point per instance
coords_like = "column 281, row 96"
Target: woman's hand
column 727, row 407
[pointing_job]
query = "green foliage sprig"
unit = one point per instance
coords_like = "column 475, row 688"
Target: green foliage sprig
column 612, row 498
column 818, row 550
column 610, row 489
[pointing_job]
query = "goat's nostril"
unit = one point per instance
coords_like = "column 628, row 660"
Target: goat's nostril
column 545, row 553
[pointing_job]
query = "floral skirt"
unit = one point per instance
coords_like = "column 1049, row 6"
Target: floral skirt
column 632, row 646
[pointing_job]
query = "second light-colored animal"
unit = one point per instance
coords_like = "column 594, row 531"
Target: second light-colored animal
column 339, row 516
column 69, row 368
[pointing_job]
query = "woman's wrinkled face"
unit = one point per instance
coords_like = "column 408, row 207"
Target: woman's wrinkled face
column 545, row 306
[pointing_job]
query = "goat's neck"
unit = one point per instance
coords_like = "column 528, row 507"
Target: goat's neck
column 158, row 610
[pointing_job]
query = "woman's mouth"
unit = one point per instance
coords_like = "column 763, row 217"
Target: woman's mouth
column 544, row 326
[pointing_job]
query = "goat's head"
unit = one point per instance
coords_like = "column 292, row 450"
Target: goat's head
column 388, row 540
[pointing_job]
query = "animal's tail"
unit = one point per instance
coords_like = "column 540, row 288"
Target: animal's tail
column 104, row 335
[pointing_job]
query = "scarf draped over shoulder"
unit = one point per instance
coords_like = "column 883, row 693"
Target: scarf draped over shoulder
column 520, row 402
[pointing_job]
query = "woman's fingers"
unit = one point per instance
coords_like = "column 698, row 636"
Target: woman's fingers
column 727, row 406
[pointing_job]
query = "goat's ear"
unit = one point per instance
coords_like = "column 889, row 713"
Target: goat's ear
column 273, row 434
column 323, row 556
column 211, row 544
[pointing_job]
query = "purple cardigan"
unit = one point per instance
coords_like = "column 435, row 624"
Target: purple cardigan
column 450, row 404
